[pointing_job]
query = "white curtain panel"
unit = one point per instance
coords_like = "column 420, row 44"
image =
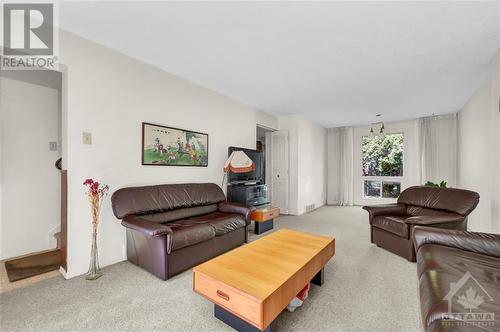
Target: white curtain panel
column 340, row 166
column 438, row 149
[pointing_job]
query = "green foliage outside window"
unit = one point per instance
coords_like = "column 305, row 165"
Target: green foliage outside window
column 383, row 156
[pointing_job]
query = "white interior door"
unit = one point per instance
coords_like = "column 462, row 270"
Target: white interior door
column 278, row 155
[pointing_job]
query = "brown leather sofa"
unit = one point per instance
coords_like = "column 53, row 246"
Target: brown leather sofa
column 391, row 225
column 450, row 264
column 173, row 227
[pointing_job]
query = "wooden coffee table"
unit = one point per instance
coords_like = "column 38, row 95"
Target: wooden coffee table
column 252, row 284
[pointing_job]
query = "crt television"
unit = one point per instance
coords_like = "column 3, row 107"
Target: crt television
column 255, row 176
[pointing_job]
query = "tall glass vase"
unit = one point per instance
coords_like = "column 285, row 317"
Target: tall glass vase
column 94, row 269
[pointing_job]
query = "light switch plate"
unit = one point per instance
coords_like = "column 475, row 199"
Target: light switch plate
column 52, row 146
column 87, row 138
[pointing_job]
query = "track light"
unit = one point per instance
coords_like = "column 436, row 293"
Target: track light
column 382, row 133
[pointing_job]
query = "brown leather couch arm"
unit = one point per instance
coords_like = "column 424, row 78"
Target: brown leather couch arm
column 433, row 220
column 145, row 226
column 387, row 210
column 236, row 208
column 482, row 243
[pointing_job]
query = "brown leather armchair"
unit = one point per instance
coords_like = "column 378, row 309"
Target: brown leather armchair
column 391, row 225
column 467, row 259
column 173, row 227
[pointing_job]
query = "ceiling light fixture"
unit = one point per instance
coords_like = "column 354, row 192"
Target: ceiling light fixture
column 382, row 128
column 372, row 133
column 382, row 133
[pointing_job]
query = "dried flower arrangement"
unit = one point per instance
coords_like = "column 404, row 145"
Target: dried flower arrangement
column 96, row 192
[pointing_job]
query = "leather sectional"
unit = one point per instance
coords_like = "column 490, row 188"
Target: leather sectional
column 391, row 225
column 463, row 268
column 173, row 227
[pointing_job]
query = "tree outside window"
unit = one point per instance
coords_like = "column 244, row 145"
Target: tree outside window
column 383, row 164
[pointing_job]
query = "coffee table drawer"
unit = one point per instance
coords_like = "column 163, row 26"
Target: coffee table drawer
column 233, row 300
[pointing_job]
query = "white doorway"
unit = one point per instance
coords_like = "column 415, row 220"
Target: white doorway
column 277, row 164
column 30, row 147
column 261, row 145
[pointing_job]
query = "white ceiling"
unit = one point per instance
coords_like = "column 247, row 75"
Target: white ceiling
column 337, row 63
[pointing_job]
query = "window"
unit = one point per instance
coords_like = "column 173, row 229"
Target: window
column 382, row 165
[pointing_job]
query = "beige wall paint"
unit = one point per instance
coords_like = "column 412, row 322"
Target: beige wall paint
column 479, row 151
column 109, row 94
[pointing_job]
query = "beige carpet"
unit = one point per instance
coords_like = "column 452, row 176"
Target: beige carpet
column 366, row 289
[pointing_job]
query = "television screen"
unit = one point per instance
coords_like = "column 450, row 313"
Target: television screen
column 255, row 176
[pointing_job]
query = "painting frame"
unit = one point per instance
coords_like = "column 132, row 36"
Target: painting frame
column 146, row 149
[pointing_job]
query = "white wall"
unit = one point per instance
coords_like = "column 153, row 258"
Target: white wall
column 312, row 179
column 266, row 120
column 307, row 162
column 30, row 204
column 109, row 95
column 411, row 171
column 479, row 151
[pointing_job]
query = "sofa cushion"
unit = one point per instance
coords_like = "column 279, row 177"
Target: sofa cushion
column 442, row 258
column 162, row 198
column 392, row 224
column 222, row 222
column 435, row 286
column 412, row 210
column 440, row 266
column 182, row 213
column 188, row 232
column 447, row 199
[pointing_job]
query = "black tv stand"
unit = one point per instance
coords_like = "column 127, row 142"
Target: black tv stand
column 248, row 193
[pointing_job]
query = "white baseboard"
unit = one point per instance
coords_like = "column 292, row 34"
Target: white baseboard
column 63, row 272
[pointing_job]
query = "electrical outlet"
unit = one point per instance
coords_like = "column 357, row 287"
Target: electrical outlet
column 87, row 138
column 52, row 146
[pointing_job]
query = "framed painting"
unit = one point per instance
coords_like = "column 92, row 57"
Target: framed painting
column 167, row 146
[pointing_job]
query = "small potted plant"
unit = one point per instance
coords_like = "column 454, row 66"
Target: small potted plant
column 442, row 184
column 96, row 192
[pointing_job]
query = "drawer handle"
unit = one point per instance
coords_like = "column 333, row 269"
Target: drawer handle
column 222, row 295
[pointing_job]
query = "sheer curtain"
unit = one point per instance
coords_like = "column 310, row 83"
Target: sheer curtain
column 340, row 166
column 438, row 149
